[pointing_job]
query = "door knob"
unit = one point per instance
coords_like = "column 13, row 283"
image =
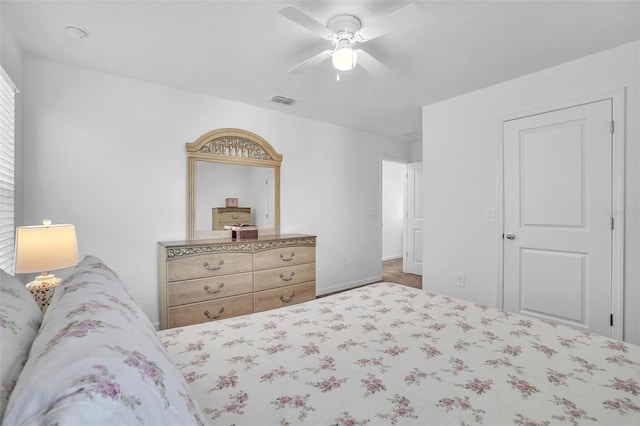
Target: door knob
column 510, row 236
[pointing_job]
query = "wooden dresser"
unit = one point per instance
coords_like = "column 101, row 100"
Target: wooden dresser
column 221, row 216
column 206, row 280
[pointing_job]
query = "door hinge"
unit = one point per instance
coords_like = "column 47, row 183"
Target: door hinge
column 612, row 224
column 612, row 127
column 611, row 320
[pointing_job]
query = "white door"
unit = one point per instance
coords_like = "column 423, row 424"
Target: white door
column 413, row 255
column 269, row 197
column 557, row 216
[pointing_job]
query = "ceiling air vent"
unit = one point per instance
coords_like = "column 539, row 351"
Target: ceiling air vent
column 282, row 100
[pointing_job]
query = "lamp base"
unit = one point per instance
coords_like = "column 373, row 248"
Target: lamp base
column 42, row 289
column 45, row 280
column 42, row 296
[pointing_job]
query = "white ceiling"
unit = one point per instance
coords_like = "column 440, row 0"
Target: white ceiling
column 241, row 50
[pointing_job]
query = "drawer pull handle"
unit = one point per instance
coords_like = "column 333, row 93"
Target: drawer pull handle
column 235, row 216
column 287, row 259
column 289, row 278
column 212, row 317
column 213, row 268
column 208, row 289
column 288, row 299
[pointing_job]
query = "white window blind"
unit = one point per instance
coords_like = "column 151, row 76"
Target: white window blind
column 7, row 171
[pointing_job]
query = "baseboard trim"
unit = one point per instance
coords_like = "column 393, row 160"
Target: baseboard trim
column 348, row 286
column 399, row 256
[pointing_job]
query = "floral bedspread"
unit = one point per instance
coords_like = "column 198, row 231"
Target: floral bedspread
column 389, row 354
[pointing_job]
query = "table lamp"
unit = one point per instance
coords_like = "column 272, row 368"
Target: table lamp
column 45, row 248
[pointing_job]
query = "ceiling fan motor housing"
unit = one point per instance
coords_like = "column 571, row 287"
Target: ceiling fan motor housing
column 344, row 28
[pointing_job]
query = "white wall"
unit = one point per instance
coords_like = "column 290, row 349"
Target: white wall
column 394, row 176
column 416, row 152
column 107, row 154
column 461, row 137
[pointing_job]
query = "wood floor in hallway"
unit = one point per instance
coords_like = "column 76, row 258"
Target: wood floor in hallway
column 392, row 272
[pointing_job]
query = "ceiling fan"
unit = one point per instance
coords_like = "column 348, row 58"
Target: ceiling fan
column 344, row 31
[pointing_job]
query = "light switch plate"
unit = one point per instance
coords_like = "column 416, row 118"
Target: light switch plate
column 491, row 215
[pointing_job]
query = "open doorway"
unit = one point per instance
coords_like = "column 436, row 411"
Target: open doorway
column 394, row 176
column 397, row 181
column 394, row 224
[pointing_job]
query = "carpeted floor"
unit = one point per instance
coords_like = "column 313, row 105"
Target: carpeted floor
column 392, row 272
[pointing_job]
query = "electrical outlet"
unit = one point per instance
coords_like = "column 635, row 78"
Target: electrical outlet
column 461, row 279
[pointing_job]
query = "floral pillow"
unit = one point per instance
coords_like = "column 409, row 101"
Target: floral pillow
column 98, row 360
column 20, row 320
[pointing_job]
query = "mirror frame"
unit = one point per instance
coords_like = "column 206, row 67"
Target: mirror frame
column 230, row 146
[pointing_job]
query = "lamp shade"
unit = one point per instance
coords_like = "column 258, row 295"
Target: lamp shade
column 45, row 248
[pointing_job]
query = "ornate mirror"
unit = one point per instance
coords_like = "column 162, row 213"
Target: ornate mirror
column 232, row 163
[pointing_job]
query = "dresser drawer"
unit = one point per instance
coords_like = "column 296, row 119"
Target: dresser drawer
column 230, row 216
column 281, row 257
column 208, row 265
column 279, row 277
column 233, row 213
column 196, row 313
column 234, row 217
column 206, row 280
column 284, row 296
column 191, row 291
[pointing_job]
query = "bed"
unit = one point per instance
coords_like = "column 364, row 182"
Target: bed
column 377, row 355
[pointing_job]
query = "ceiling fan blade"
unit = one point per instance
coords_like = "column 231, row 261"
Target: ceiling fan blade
column 371, row 64
column 311, row 62
column 383, row 25
column 306, row 21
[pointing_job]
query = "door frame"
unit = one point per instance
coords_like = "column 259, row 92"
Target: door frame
column 618, row 97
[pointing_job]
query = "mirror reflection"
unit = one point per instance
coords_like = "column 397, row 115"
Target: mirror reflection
column 232, row 163
column 253, row 186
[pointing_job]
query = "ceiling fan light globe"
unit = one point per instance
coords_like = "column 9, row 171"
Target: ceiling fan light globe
column 344, row 59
